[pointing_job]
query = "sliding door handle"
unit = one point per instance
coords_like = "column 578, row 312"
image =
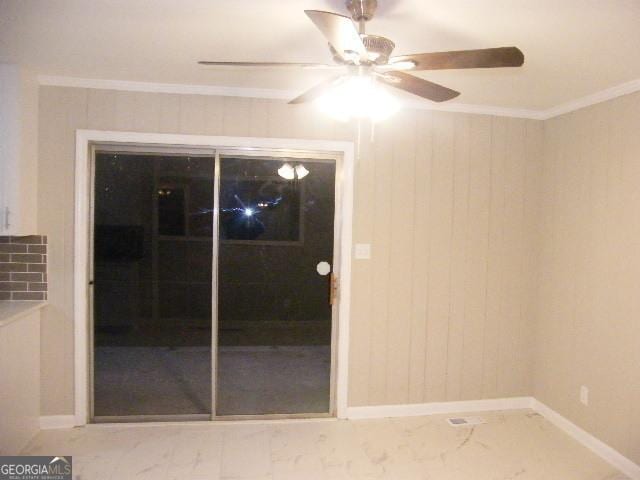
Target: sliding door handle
column 333, row 289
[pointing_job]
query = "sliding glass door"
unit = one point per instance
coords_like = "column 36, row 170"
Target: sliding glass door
column 201, row 312
column 276, row 236
column 152, row 271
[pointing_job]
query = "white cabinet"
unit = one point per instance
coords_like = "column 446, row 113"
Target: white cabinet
column 9, row 139
column 18, row 151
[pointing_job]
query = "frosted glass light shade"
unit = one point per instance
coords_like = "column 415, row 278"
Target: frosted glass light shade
column 358, row 97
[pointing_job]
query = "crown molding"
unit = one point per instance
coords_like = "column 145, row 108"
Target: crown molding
column 275, row 94
column 477, row 109
column 215, row 90
column 153, row 87
column 593, row 99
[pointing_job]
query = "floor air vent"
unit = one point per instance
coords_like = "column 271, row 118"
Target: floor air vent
column 465, row 421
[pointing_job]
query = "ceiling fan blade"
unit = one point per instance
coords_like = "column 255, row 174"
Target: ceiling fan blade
column 269, row 64
column 484, row 58
column 318, row 90
column 341, row 33
column 418, row 86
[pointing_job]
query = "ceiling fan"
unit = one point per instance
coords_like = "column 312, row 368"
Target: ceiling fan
column 357, row 53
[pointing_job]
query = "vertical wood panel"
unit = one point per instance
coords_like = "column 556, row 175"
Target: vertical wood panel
column 496, row 264
column 101, row 109
column 214, row 115
column 169, row 113
column 236, row 116
column 362, row 271
column 458, row 267
column 477, row 244
column 421, row 231
column 441, row 208
column 533, row 234
column 401, row 262
column 147, row 112
column 380, row 323
column 510, row 327
column 125, row 113
column 193, row 114
column 258, row 117
column 279, row 120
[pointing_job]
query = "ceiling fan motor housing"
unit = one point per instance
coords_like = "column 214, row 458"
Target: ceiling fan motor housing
column 378, row 48
column 362, row 9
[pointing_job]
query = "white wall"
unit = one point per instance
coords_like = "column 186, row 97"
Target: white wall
column 588, row 327
column 20, row 381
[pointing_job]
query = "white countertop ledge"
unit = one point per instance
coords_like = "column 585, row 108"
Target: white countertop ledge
column 12, row 310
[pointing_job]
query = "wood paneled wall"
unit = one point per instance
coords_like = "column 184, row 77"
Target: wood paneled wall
column 444, row 309
column 588, row 327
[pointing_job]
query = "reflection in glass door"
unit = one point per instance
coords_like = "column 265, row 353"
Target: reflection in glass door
column 275, row 255
column 152, row 290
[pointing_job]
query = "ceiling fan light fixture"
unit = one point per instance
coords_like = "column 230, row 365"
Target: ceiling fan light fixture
column 359, row 96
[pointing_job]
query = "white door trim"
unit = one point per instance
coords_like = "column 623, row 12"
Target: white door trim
column 84, row 138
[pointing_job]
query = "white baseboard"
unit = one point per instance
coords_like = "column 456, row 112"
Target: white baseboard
column 604, row 451
column 57, row 421
column 417, row 409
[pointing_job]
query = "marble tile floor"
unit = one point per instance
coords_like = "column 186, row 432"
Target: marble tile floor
column 513, row 445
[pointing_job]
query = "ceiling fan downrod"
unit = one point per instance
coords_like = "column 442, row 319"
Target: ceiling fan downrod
column 362, row 11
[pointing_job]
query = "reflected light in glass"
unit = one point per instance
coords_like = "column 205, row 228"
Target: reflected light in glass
column 286, row 171
column 358, row 97
column 301, row 172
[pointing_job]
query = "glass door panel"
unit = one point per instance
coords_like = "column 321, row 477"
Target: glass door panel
column 152, row 273
column 276, row 240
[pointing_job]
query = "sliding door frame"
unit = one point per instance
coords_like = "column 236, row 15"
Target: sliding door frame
column 339, row 151
column 136, row 150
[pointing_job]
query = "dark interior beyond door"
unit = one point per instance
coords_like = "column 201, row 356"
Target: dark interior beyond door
column 153, row 227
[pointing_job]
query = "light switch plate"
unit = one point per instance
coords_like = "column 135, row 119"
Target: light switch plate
column 363, row 251
column 584, row 395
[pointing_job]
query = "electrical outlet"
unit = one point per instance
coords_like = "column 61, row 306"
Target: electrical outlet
column 584, row 395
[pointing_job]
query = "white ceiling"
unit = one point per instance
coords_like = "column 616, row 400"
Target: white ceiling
column 572, row 48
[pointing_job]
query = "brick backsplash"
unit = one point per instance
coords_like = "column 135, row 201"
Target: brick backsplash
column 23, row 268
